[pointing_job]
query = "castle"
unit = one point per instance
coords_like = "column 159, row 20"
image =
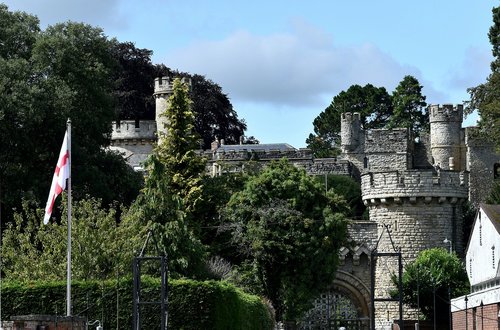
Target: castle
column 414, row 189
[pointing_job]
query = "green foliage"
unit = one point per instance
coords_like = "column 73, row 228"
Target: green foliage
column 373, row 103
column 214, row 113
column 192, row 305
column 216, row 193
column 47, row 77
column 288, row 233
column 134, row 81
column 100, row 248
column 409, row 106
column 346, row 187
column 468, row 215
column 494, row 197
column 177, row 150
column 433, row 269
column 485, row 98
column 173, row 188
column 18, row 32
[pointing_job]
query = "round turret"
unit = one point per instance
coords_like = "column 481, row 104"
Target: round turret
column 164, row 88
column 414, row 210
column 445, row 129
column 350, row 130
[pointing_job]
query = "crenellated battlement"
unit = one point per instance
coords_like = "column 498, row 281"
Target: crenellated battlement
column 350, row 117
column 134, row 130
column 165, row 85
column 446, row 113
column 394, row 186
column 249, row 154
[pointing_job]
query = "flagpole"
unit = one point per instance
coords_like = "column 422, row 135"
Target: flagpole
column 68, row 280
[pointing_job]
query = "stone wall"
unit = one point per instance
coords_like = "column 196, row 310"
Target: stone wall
column 422, row 152
column 481, row 160
column 376, row 149
column 133, row 130
column 237, row 161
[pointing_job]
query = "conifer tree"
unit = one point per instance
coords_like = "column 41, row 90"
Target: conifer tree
column 409, row 106
column 173, row 188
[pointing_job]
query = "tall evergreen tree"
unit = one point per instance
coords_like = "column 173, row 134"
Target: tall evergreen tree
column 177, row 149
column 173, row 187
column 373, row 103
column 409, row 106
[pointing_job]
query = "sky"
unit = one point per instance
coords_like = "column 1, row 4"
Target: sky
column 281, row 62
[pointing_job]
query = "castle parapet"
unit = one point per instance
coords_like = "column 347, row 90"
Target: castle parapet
column 134, row 130
column 446, row 113
column 394, row 186
column 165, row 85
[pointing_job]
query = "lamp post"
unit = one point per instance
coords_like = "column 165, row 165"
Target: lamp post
column 466, row 325
column 482, row 316
column 447, row 241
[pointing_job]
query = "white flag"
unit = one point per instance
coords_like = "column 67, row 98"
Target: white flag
column 61, row 174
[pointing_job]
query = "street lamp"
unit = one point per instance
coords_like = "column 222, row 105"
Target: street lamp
column 466, row 325
column 447, row 241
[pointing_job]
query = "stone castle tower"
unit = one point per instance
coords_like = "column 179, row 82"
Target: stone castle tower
column 413, row 189
column 447, row 145
column 135, row 139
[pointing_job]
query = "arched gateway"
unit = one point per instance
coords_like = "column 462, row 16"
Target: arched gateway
column 346, row 304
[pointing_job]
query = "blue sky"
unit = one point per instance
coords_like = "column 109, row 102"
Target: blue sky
column 281, row 62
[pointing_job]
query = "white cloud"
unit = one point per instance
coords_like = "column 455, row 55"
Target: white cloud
column 103, row 13
column 474, row 69
column 299, row 68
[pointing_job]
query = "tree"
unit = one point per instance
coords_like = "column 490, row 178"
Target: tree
column 216, row 193
column 409, row 106
column 177, row 149
column 485, row 98
column 173, row 187
column 134, row 82
column 214, row 113
column 287, row 234
column 373, row 103
column 18, row 32
column 77, row 67
column 346, row 187
column 494, row 197
column 101, row 247
column 429, row 276
column 46, row 77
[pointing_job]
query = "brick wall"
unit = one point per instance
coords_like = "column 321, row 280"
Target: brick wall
column 480, row 318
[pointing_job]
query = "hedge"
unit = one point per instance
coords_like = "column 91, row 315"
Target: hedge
column 192, row 304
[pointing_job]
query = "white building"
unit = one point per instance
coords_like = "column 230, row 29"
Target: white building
column 482, row 305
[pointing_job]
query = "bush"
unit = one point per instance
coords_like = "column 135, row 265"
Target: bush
column 192, row 304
